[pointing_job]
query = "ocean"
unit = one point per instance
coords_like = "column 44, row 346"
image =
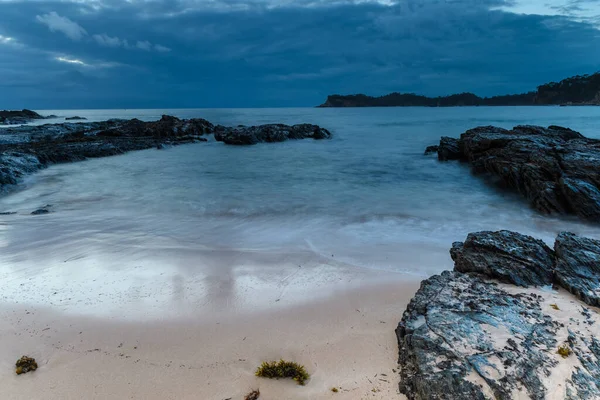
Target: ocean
column 179, row 216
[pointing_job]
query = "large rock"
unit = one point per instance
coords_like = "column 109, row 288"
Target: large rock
column 448, row 349
column 464, row 336
column 556, row 169
column 244, row 135
column 507, row 256
column 578, row 266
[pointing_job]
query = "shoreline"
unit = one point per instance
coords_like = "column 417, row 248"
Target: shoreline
column 345, row 341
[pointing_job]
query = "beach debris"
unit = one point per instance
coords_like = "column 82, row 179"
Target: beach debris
column 253, row 395
column 25, row 364
column 335, row 390
column 283, row 369
column 554, row 306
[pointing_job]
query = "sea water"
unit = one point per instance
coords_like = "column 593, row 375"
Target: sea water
column 368, row 198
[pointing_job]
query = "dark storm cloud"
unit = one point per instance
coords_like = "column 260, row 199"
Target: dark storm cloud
column 270, row 53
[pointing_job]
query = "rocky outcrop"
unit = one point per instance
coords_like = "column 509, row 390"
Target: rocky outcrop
column 447, row 350
column 578, row 266
column 448, row 149
column 75, row 118
column 556, row 169
column 19, row 117
column 431, row 149
column 244, row 135
column 506, row 256
column 464, row 335
column 25, row 149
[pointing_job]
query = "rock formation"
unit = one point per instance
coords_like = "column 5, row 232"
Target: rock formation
column 467, row 336
column 19, row 117
column 26, row 149
column 556, row 169
column 243, row 135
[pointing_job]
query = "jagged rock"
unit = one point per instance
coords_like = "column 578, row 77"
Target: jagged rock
column 578, row 266
column 447, row 350
column 507, row 256
column 448, row 149
column 242, row 135
column 556, row 169
column 464, row 336
column 431, row 149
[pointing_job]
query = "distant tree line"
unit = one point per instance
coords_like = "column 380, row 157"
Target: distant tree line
column 580, row 89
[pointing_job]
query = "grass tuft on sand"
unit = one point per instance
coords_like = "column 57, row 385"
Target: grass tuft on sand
column 564, row 350
column 283, row 369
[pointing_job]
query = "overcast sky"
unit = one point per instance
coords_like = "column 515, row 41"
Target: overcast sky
column 261, row 53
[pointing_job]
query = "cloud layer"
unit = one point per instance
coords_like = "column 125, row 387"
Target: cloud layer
column 228, row 53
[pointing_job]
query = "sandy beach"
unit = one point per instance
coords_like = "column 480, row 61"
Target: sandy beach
column 346, row 341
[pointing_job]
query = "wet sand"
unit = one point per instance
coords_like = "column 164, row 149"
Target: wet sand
column 345, row 340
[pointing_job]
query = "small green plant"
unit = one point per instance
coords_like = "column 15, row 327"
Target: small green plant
column 283, row 369
column 554, row 306
column 564, row 350
column 253, row 395
column 334, row 390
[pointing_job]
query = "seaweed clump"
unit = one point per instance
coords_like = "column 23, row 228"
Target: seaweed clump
column 283, row 369
column 564, row 350
column 25, row 364
column 253, row 395
column 334, row 390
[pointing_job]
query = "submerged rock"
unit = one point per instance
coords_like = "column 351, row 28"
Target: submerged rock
column 466, row 336
column 555, row 168
column 243, row 135
column 40, row 211
column 25, row 364
column 75, row 118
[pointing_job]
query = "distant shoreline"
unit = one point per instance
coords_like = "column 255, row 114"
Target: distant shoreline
column 574, row 91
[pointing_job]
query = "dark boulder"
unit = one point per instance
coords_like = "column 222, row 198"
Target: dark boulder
column 507, row 256
column 448, row 149
column 75, row 118
column 243, row 135
column 431, row 149
column 40, row 211
column 556, row 169
column 578, row 266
